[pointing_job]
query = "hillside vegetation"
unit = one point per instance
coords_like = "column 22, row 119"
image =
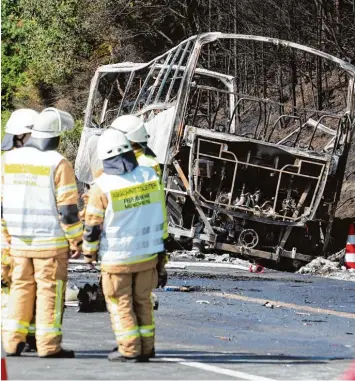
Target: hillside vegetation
column 51, row 48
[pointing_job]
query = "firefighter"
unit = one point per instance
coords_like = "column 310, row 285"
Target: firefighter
column 17, row 132
column 136, row 133
column 41, row 215
column 124, row 226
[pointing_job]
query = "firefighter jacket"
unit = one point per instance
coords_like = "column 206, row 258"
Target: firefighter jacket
column 149, row 161
column 145, row 161
column 130, row 210
column 39, row 203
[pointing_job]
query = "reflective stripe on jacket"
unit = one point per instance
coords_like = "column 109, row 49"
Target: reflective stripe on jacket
column 149, row 161
column 29, row 203
column 133, row 221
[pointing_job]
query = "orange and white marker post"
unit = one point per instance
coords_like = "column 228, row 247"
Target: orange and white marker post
column 3, row 365
column 350, row 248
column 350, row 373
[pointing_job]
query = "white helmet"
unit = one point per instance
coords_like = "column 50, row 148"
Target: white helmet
column 112, row 143
column 132, row 127
column 52, row 122
column 19, row 123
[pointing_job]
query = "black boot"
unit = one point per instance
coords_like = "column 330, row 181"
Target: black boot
column 31, row 345
column 19, row 349
column 62, row 354
column 145, row 358
column 117, row 356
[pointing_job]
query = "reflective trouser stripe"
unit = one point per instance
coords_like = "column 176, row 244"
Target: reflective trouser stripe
column 153, row 316
column 58, row 304
column 45, row 330
column 127, row 334
column 120, row 333
column 16, row 326
column 147, row 330
column 32, row 330
column 114, row 312
column 90, row 209
column 55, row 328
column 74, row 231
column 90, row 246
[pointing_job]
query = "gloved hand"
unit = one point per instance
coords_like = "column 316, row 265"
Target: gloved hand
column 162, row 273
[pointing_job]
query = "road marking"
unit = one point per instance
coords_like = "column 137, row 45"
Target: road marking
column 314, row 310
column 217, row 369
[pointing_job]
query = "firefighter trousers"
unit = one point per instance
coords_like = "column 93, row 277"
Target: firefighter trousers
column 129, row 302
column 41, row 281
column 6, row 271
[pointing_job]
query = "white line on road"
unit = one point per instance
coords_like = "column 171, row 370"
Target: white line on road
column 217, row 369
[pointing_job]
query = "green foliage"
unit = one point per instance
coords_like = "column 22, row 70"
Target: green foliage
column 69, row 142
column 5, row 115
column 58, row 40
column 15, row 55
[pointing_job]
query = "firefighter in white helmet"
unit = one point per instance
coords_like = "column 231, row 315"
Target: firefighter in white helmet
column 135, row 131
column 124, row 226
column 18, row 128
column 17, row 132
column 41, row 216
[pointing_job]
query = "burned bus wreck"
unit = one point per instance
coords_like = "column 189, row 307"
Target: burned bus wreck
column 253, row 134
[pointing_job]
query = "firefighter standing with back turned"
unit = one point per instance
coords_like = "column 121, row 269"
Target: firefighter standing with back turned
column 124, row 223
column 41, row 215
column 17, row 132
column 136, row 133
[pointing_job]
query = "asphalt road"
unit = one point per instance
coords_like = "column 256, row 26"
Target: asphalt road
column 223, row 331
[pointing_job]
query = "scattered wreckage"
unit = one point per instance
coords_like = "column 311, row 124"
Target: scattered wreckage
column 253, row 133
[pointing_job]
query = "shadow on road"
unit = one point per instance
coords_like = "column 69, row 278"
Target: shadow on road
column 221, row 357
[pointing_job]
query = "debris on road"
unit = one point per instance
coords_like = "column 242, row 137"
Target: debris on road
column 175, row 266
column 225, row 338
column 195, row 258
column 179, row 288
column 155, row 301
column 72, row 304
column 337, row 256
column 71, row 293
column 255, row 268
column 268, row 305
column 271, row 305
column 203, row 302
column 91, row 299
column 327, row 268
column 320, row 266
